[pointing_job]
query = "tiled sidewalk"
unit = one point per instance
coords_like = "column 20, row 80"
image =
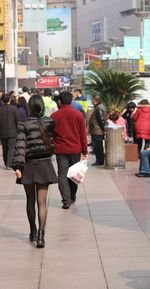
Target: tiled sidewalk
column 101, row 242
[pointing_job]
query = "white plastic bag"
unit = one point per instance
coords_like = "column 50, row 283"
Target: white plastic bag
column 77, row 172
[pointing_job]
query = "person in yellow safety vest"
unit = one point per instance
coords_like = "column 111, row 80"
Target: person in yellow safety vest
column 81, row 99
column 50, row 105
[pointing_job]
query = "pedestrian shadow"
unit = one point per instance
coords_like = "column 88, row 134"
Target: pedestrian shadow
column 10, row 233
column 138, row 279
column 112, row 213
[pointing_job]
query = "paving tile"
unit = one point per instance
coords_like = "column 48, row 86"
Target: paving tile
column 124, row 244
column 104, row 226
column 132, row 235
column 125, row 283
column 126, row 262
column 73, row 280
column 125, row 252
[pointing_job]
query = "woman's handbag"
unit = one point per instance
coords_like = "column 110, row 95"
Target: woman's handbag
column 77, row 172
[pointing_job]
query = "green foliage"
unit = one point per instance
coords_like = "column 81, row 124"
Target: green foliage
column 115, row 88
column 41, row 60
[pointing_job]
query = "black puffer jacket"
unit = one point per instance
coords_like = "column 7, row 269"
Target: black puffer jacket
column 29, row 143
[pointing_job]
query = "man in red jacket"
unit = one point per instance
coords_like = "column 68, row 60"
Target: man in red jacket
column 70, row 145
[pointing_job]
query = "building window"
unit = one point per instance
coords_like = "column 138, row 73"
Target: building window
column 96, row 31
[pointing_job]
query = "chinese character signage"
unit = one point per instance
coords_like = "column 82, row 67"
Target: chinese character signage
column 2, row 70
column 50, row 81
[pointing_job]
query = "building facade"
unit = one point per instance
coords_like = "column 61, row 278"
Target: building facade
column 35, row 35
column 7, row 43
column 99, row 22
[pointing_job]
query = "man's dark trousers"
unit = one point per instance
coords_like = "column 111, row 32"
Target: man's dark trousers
column 98, row 148
column 67, row 188
column 8, row 146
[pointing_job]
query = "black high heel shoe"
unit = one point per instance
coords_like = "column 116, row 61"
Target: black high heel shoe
column 40, row 239
column 33, row 235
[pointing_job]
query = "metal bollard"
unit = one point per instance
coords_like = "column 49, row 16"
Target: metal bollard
column 114, row 148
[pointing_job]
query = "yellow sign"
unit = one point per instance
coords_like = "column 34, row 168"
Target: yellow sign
column 141, row 65
column 1, row 12
column 2, row 43
column 97, row 63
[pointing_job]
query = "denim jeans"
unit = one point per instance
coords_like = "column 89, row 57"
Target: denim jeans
column 145, row 162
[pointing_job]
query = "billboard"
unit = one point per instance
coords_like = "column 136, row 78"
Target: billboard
column 50, row 81
column 53, row 26
column 56, row 41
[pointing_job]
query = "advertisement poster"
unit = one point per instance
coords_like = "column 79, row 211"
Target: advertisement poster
column 56, row 42
column 50, row 82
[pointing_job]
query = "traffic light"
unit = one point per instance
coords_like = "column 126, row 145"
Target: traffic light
column 46, row 60
column 78, row 53
column 86, row 59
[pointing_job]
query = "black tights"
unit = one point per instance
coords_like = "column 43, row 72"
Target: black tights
column 38, row 192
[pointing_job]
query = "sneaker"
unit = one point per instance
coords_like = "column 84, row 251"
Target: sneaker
column 66, row 206
column 142, row 175
column 97, row 164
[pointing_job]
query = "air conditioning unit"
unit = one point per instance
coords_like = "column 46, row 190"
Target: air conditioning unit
column 27, row 6
column 34, row 6
column 41, row 6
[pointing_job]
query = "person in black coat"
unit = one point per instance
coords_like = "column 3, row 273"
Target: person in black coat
column 97, row 123
column 23, row 108
column 33, row 166
column 9, row 118
column 129, row 122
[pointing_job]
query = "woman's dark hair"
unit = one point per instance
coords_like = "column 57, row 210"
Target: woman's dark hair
column 6, row 98
column 36, row 106
column 131, row 105
column 113, row 116
column 65, row 97
column 144, row 102
column 47, row 92
column 23, row 103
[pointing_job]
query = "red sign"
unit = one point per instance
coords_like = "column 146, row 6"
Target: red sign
column 49, row 82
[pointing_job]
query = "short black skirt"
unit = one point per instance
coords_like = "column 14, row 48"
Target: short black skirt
column 39, row 171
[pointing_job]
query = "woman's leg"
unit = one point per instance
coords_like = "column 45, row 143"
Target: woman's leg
column 30, row 206
column 42, row 213
column 41, row 203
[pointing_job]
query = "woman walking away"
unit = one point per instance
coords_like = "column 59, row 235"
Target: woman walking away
column 32, row 164
column 23, row 108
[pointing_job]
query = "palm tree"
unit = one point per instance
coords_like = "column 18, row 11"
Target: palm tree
column 116, row 88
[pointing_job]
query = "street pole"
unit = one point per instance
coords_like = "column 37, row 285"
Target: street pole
column 141, row 38
column 141, row 15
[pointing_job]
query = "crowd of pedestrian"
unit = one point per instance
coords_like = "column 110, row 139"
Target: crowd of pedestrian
column 37, row 124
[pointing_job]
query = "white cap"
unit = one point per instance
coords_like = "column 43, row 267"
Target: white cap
column 56, row 92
